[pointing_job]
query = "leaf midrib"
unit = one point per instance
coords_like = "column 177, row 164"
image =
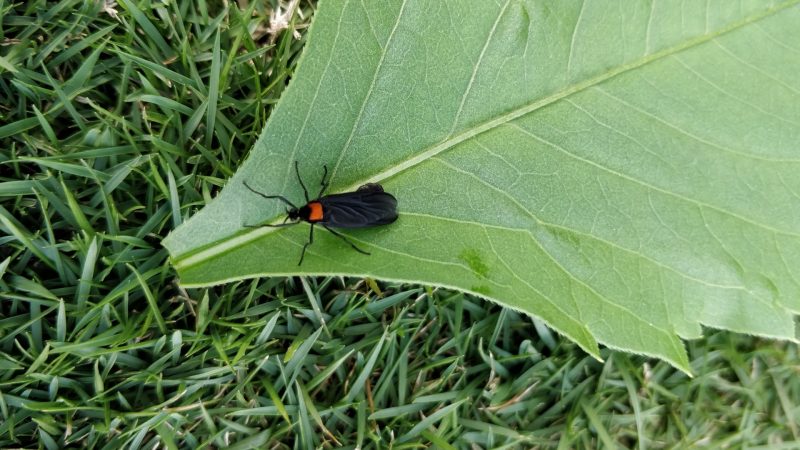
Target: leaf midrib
column 538, row 104
column 184, row 262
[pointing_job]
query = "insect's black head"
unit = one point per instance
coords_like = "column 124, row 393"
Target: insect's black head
column 293, row 213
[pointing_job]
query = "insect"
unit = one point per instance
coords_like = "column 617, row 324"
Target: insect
column 367, row 206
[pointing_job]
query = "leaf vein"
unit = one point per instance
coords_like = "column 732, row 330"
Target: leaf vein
column 590, row 236
column 729, row 94
column 533, row 288
column 537, row 104
column 476, row 67
column 655, row 188
column 572, row 39
column 301, row 132
column 388, row 250
column 368, row 94
column 692, row 135
column 754, row 67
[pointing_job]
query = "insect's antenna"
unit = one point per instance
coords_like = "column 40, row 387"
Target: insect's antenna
column 270, row 197
column 324, row 183
column 305, row 191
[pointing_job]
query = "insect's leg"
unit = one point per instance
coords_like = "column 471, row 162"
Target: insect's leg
column 297, row 171
column 310, row 241
column 270, row 197
column 324, row 182
column 342, row 237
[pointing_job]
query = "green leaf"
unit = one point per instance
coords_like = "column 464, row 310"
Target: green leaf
column 627, row 172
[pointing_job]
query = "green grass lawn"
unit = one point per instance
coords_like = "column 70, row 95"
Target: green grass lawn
column 116, row 125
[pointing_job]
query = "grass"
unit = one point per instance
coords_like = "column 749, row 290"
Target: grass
column 115, row 125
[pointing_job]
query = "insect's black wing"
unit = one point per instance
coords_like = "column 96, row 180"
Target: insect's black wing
column 367, row 207
column 370, row 187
